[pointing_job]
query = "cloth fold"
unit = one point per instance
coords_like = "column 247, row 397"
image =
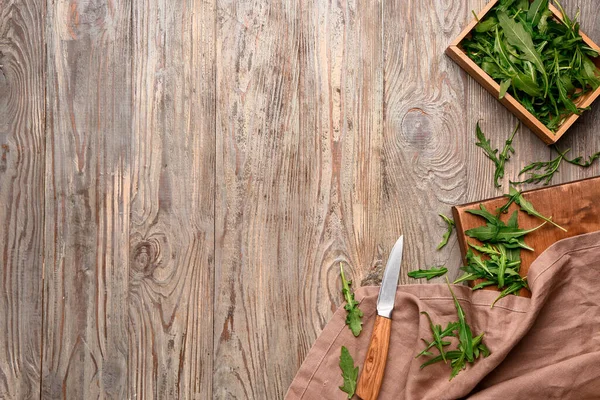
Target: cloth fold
column 543, row 347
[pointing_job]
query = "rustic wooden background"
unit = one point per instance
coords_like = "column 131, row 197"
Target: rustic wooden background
column 180, row 179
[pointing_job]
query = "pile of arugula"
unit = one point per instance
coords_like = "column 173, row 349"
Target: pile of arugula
column 543, row 63
column 497, row 260
column 469, row 348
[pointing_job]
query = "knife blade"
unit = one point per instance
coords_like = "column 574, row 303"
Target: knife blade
column 371, row 377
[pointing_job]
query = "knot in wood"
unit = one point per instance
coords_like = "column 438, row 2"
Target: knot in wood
column 146, row 256
column 417, row 128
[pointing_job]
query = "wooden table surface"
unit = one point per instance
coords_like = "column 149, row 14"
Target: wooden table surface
column 179, row 181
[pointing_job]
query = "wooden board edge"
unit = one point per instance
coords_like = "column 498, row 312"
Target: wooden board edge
column 459, row 231
column 463, row 34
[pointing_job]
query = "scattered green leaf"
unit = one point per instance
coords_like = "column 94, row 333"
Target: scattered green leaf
column 354, row 314
column 499, row 160
column 468, row 350
column 449, row 228
column 349, row 372
column 528, row 207
column 427, row 273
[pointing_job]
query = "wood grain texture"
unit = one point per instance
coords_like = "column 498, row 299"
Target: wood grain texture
column 372, row 372
column 258, row 199
column 22, row 164
column 86, row 280
column 425, row 144
column 170, row 296
column 186, row 177
column 341, row 116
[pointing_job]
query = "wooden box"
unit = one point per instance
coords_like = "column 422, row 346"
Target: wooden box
column 460, row 57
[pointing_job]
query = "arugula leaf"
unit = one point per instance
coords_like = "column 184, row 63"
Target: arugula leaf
column 354, row 314
column 536, row 10
column 517, row 36
column 484, row 143
column 513, row 288
column 449, row 227
column 427, row 273
column 469, row 348
column 528, row 207
column 504, row 88
column 438, row 335
column 465, row 336
column 549, row 168
column 498, row 159
column 349, row 372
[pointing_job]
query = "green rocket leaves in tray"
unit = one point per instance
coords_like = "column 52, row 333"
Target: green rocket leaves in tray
column 542, row 62
column 354, row 314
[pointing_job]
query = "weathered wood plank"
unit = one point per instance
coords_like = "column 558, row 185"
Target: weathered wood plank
column 258, row 199
column 85, row 340
column 426, row 140
column 22, row 150
column 172, row 212
column 341, row 117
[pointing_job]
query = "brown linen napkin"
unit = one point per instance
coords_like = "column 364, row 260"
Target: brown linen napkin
column 546, row 347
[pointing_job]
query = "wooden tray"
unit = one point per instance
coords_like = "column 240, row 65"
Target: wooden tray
column 575, row 206
column 455, row 52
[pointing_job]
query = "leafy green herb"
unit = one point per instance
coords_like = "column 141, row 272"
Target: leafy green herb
column 349, row 372
column 354, row 314
column 438, row 335
column 495, row 231
column 543, row 171
column 469, row 348
column 449, row 227
column 428, row 273
column 526, row 206
column 543, row 63
column 498, row 159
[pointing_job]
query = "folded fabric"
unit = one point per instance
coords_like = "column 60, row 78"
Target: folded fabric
column 543, row 347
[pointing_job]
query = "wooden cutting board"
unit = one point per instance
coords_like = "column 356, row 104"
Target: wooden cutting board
column 575, row 206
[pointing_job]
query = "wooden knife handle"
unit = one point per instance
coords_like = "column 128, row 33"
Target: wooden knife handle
column 371, row 376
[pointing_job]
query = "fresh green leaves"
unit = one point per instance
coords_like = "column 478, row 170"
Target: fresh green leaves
column 354, row 314
column 468, row 350
column 349, row 372
column 496, row 231
column 541, row 62
column 543, row 171
column 536, row 10
column 517, row 197
column 449, row 227
column 497, row 260
column 438, row 335
column 498, row 159
column 428, row 273
column 517, row 36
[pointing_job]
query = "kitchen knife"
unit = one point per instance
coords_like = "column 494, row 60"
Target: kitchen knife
column 371, row 377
